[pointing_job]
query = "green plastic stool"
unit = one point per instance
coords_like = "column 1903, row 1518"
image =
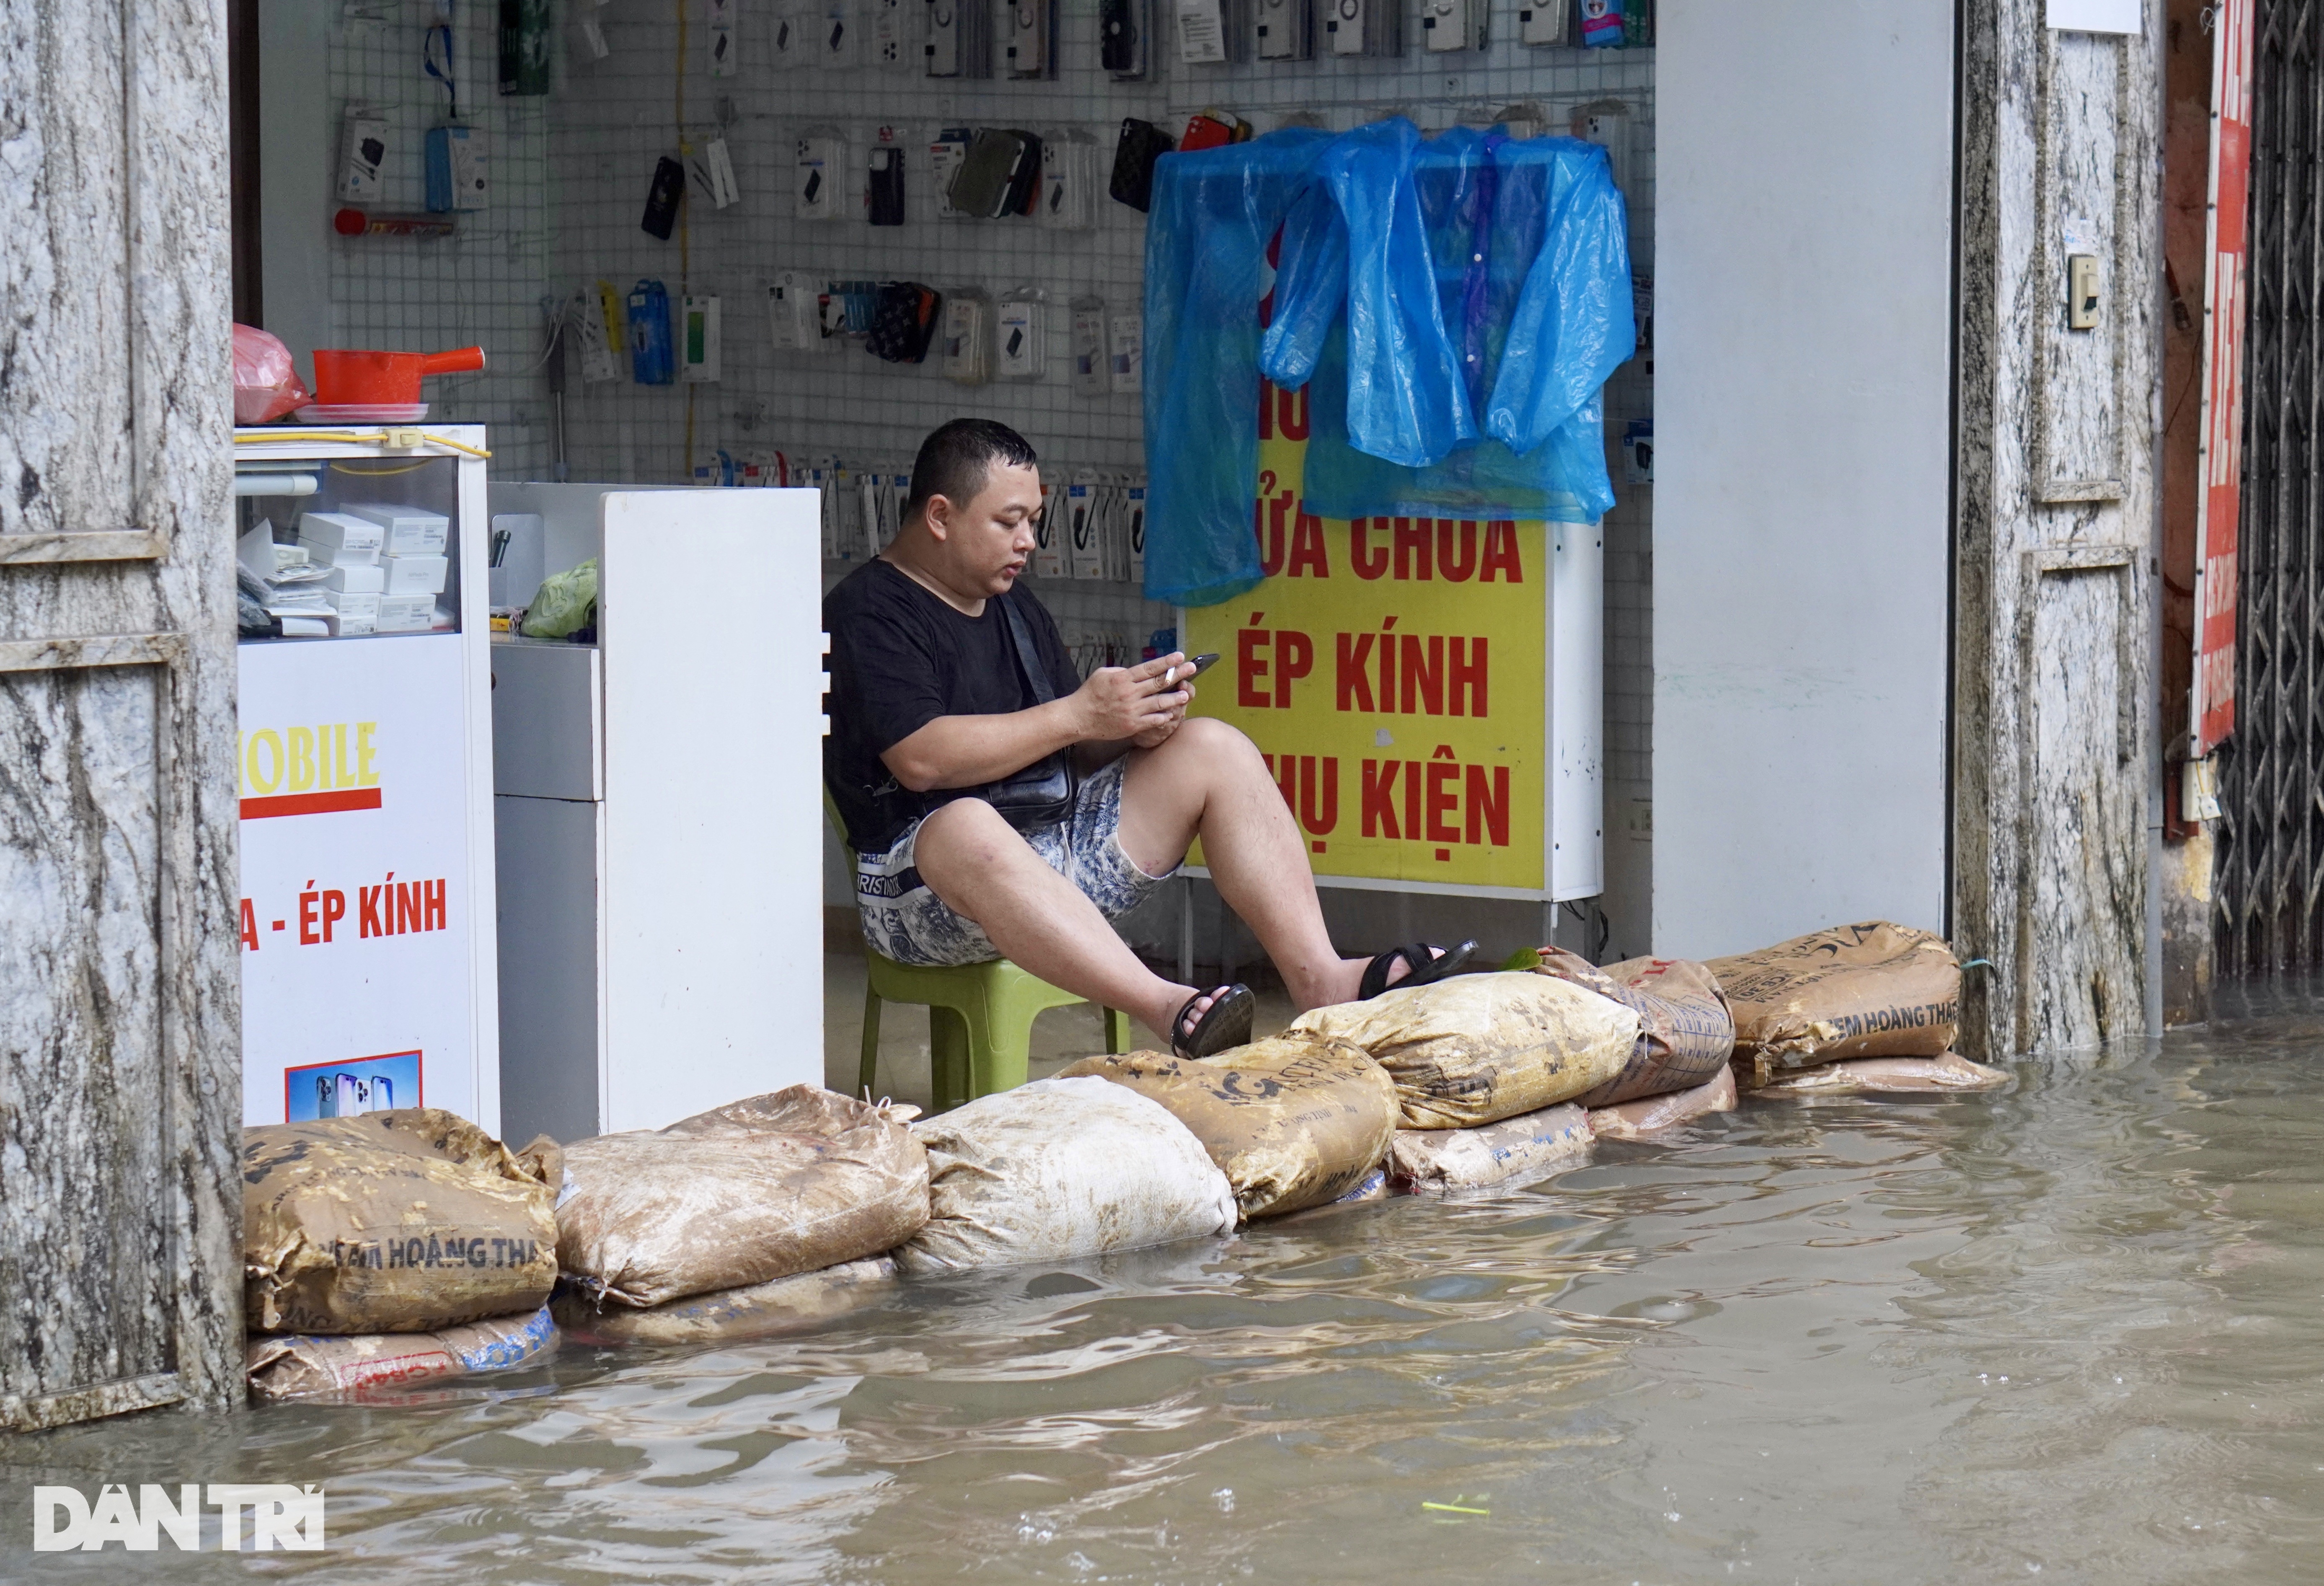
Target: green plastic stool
column 980, row 1022
column 980, row 1014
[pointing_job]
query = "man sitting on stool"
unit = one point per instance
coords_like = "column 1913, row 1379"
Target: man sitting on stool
column 1000, row 805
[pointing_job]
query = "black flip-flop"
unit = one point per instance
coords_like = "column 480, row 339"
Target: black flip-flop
column 1226, row 1022
column 1426, row 964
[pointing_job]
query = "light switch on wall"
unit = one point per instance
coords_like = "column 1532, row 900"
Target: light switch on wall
column 2081, row 291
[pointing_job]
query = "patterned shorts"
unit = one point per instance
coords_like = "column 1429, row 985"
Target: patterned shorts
column 911, row 925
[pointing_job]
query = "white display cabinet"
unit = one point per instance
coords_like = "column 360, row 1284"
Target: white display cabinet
column 659, row 808
column 368, row 952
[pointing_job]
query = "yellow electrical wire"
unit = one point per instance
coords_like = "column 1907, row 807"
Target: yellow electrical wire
column 374, row 438
column 380, row 472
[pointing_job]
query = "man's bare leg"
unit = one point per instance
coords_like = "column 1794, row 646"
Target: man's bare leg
column 1208, row 781
column 985, row 871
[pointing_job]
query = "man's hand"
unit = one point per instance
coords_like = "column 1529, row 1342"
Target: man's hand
column 1135, row 703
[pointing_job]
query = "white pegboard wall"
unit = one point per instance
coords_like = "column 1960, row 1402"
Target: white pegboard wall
column 570, row 176
column 483, row 286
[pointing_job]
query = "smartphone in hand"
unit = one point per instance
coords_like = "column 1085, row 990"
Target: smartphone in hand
column 1194, row 669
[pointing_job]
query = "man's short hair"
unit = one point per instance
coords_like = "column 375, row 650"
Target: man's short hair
column 957, row 458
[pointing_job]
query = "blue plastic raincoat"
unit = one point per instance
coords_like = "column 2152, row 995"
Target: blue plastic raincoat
column 1454, row 355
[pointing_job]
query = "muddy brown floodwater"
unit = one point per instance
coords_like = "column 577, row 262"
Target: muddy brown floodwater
column 2076, row 1331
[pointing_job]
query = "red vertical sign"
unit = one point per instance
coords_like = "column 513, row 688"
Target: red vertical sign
column 2219, row 494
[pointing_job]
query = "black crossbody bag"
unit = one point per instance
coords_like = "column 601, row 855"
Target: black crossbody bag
column 1043, row 793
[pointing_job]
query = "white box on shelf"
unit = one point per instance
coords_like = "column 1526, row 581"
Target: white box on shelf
column 345, row 540
column 351, row 625
column 406, row 529
column 414, row 612
column 413, row 574
column 367, row 578
column 350, row 603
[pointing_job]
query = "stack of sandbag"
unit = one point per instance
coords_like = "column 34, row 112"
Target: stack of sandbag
column 732, row 1315
column 1889, row 1077
column 1871, row 989
column 1517, row 1149
column 1685, row 1034
column 1057, row 1169
column 1477, row 1048
column 295, row 1365
column 1292, row 1122
column 379, row 1237
column 739, row 1197
column 1635, row 1120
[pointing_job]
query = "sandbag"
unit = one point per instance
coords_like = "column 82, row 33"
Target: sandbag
column 728, row 1315
column 404, row 1220
column 294, row 1366
column 1291, row 1122
column 1873, row 990
column 1057, row 1169
column 1632, row 1120
column 1479, row 1047
column 1685, row 1034
column 791, row 1182
column 1888, row 1076
column 1516, row 1149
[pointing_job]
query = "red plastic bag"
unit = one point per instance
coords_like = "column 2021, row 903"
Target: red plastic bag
column 266, row 383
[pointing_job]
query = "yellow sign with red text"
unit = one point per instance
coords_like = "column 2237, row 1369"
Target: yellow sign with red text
column 1391, row 671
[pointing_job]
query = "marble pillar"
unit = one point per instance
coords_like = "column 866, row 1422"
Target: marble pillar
column 2055, row 733
column 120, row 1064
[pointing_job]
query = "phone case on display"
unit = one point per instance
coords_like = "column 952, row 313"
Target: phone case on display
column 1031, row 27
column 1140, row 145
column 794, row 312
column 1089, row 373
column 1084, row 559
column 1449, row 24
column 1213, row 129
column 905, row 323
column 836, row 37
column 1122, row 28
column 651, row 359
column 959, row 38
column 1024, row 183
column 668, row 187
column 1125, row 335
column 883, row 187
column 945, row 156
column 792, row 38
column 967, row 337
column 1049, row 534
column 1287, row 30
column 987, row 173
column 1543, row 23
column 819, row 165
column 1134, row 528
column 1021, row 329
column 718, row 22
column 1068, row 175
column 886, row 34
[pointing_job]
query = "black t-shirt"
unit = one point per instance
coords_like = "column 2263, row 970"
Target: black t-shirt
column 900, row 658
